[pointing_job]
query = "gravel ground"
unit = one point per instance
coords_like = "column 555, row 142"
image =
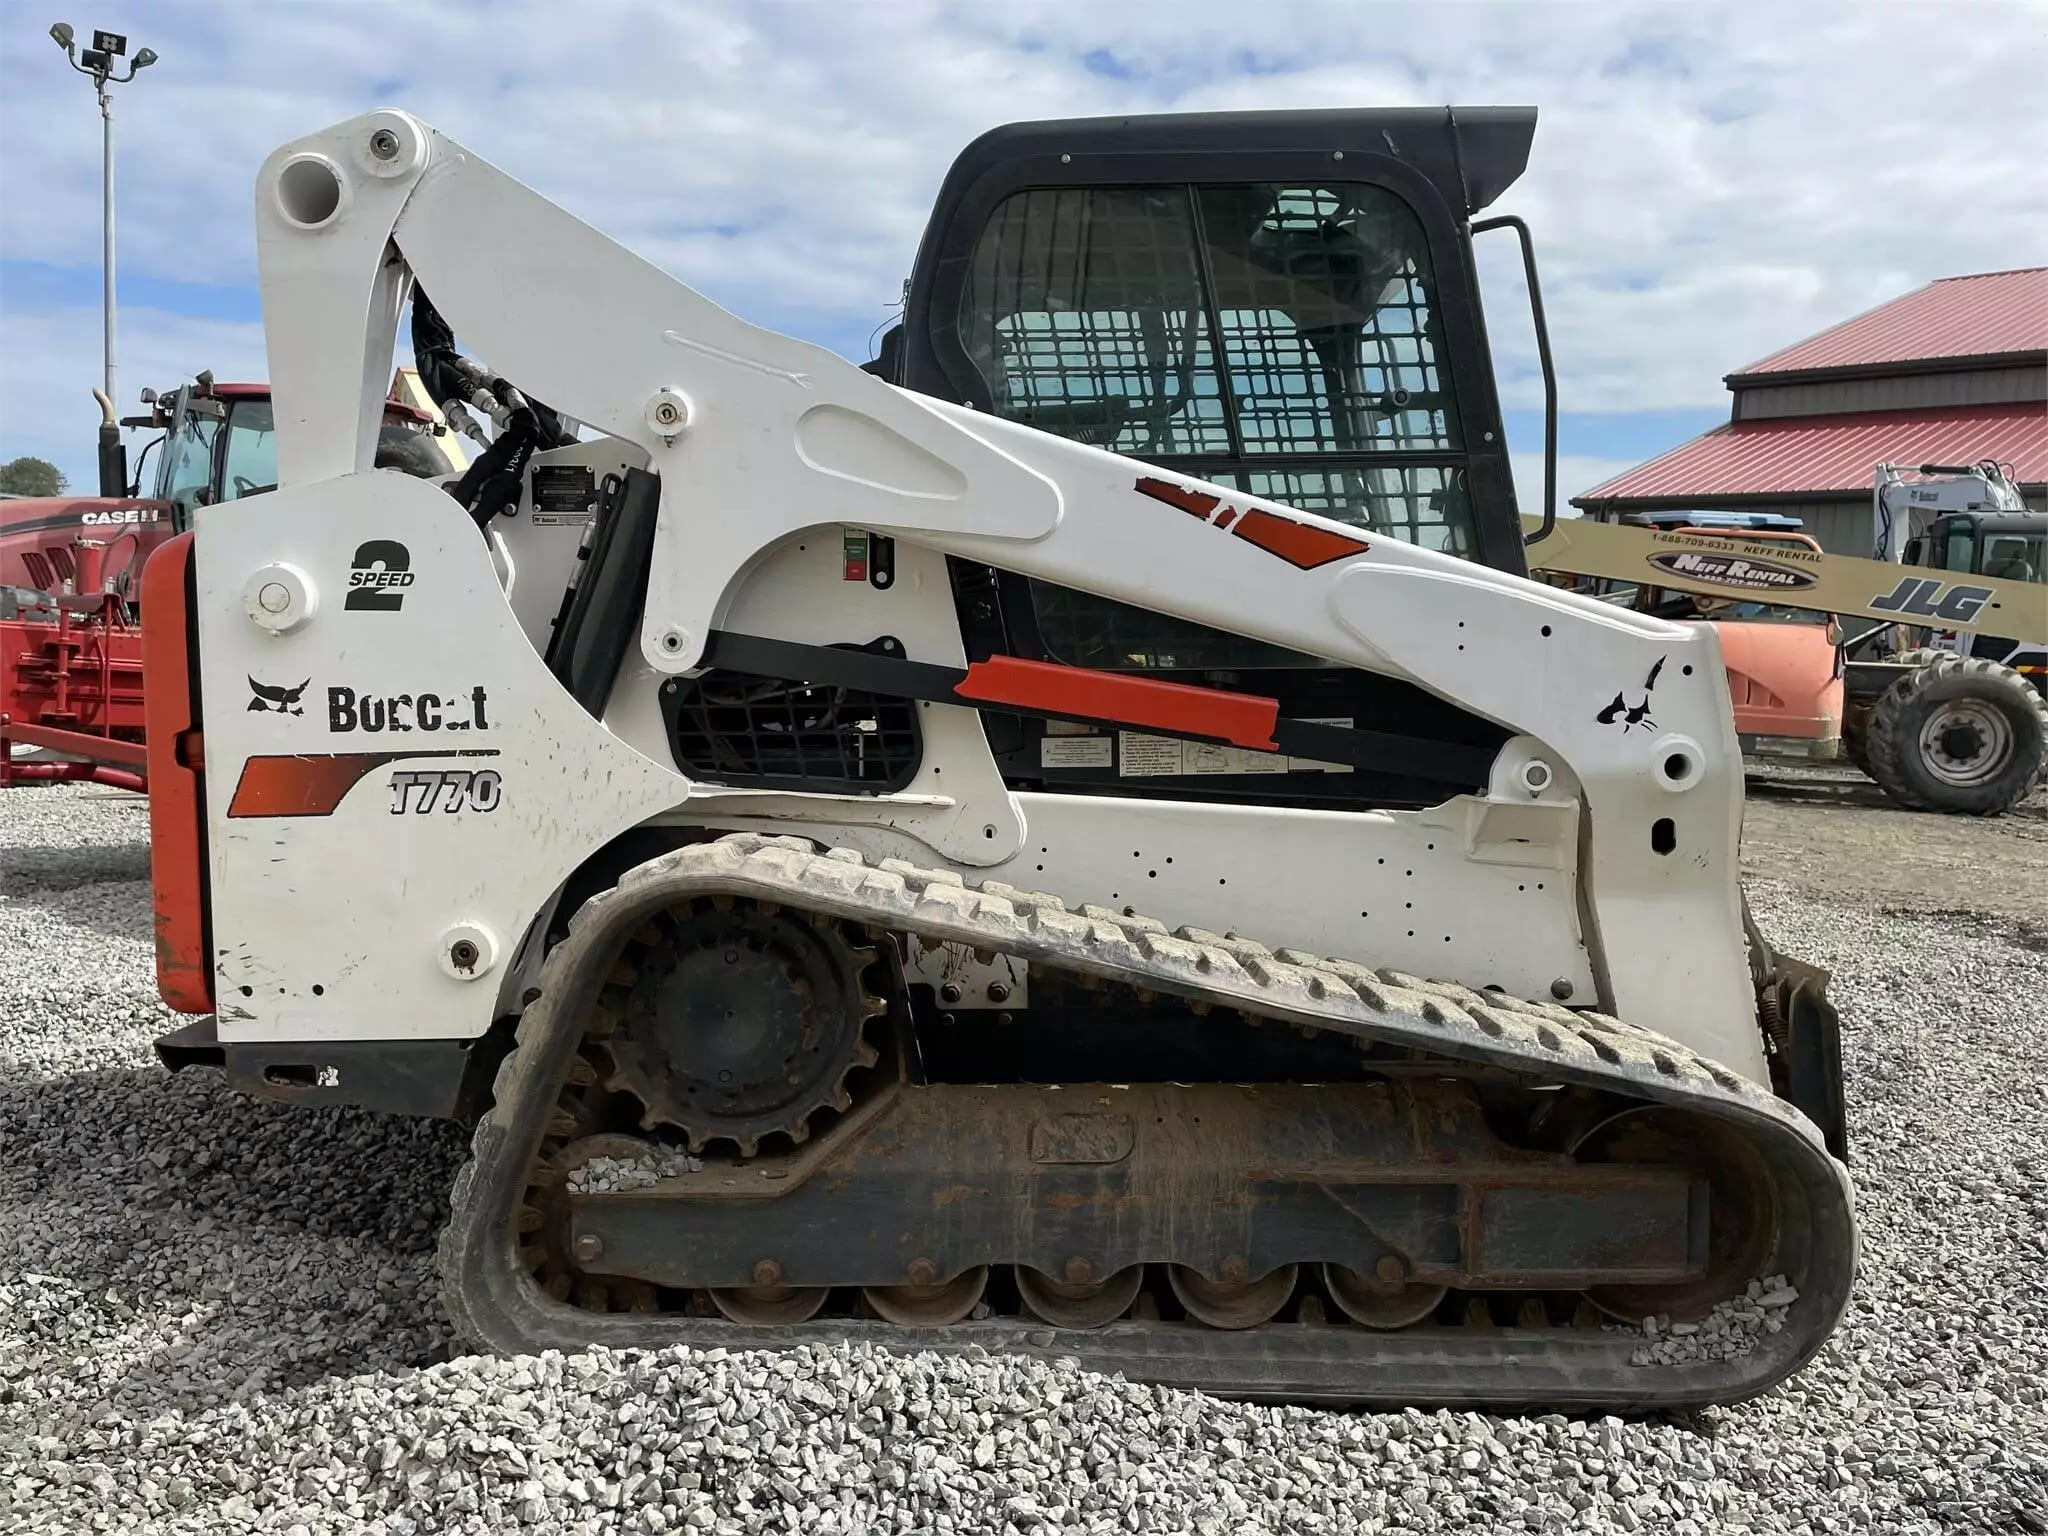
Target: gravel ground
column 218, row 1315
column 1871, row 851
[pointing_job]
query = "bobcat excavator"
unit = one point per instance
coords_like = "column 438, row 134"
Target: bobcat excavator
column 1081, row 838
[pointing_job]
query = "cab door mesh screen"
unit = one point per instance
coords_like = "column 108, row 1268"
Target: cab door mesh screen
column 1096, row 313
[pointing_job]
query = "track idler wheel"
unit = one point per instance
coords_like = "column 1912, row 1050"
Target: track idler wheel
column 1378, row 1303
column 1079, row 1303
column 1232, row 1304
column 1742, row 1215
column 929, row 1306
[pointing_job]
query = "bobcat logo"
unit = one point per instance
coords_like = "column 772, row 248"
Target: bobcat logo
column 265, row 699
column 1628, row 716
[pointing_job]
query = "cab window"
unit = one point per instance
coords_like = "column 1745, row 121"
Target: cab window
column 186, row 475
column 1084, row 314
column 2015, row 556
column 1329, row 339
column 250, row 465
column 1096, row 313
column 1281, row 340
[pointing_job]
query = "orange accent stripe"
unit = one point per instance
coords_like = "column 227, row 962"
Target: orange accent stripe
column 1242, row 719
column 177, row 823
column 302, row 786
column 313, row 783
column 1199, row 503
column 1296, row 543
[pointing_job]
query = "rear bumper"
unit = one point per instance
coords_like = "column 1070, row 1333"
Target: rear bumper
column 436, row 1078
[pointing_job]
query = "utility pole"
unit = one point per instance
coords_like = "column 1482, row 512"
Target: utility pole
column 97, row 65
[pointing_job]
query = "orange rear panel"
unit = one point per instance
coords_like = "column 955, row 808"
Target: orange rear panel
column 177, row 801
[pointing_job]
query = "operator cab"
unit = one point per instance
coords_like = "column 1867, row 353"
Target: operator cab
column 2010, row 545
column 1284, row 303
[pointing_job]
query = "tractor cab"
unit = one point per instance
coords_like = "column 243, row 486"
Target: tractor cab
column 71, row 566
column 219, row 443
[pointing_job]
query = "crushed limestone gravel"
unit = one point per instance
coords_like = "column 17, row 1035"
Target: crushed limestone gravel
column 219, row 1315
column 614, row 1175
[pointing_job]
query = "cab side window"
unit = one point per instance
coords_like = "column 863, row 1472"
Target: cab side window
column 187, row 475
column 1084, row 315
column 1279, row 340
column 250, row 466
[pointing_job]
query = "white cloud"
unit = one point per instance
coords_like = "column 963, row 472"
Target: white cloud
column 1575, row 473
column 1708, row 183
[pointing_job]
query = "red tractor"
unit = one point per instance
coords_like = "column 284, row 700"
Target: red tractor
column 71, row 567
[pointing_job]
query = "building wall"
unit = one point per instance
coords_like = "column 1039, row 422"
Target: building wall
column 1841, row 528
column 1983, row 386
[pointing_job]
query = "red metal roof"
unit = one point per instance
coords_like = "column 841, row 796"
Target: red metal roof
column 1803, row 455
column 1988, row 314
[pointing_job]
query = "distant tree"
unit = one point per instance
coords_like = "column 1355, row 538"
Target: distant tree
column 31, row 477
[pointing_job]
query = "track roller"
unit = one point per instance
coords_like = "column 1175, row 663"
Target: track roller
column 1232, row 1304
column 1369, row 1300
column 768, row 1306
column 1079, row 1303
column 929, row 1306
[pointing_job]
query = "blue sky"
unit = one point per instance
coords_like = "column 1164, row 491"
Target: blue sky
column 1707, row 183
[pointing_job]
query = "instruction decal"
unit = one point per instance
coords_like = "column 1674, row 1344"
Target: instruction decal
column 1076, row 752
column 1141, row 756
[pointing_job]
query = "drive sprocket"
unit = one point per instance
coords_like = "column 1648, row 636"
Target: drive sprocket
column 741, row 1021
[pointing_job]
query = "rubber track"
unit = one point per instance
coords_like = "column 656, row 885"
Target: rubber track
column 496, row 1303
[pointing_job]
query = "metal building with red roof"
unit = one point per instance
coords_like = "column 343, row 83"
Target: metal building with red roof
column 1951, row 373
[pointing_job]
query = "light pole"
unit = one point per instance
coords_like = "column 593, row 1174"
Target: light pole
column 97, row 64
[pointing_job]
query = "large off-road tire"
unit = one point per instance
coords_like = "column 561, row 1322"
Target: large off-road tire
column 1856, row 735
column 1966, row 736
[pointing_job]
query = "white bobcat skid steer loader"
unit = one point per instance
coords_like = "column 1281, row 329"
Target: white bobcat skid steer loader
column 952, row 858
